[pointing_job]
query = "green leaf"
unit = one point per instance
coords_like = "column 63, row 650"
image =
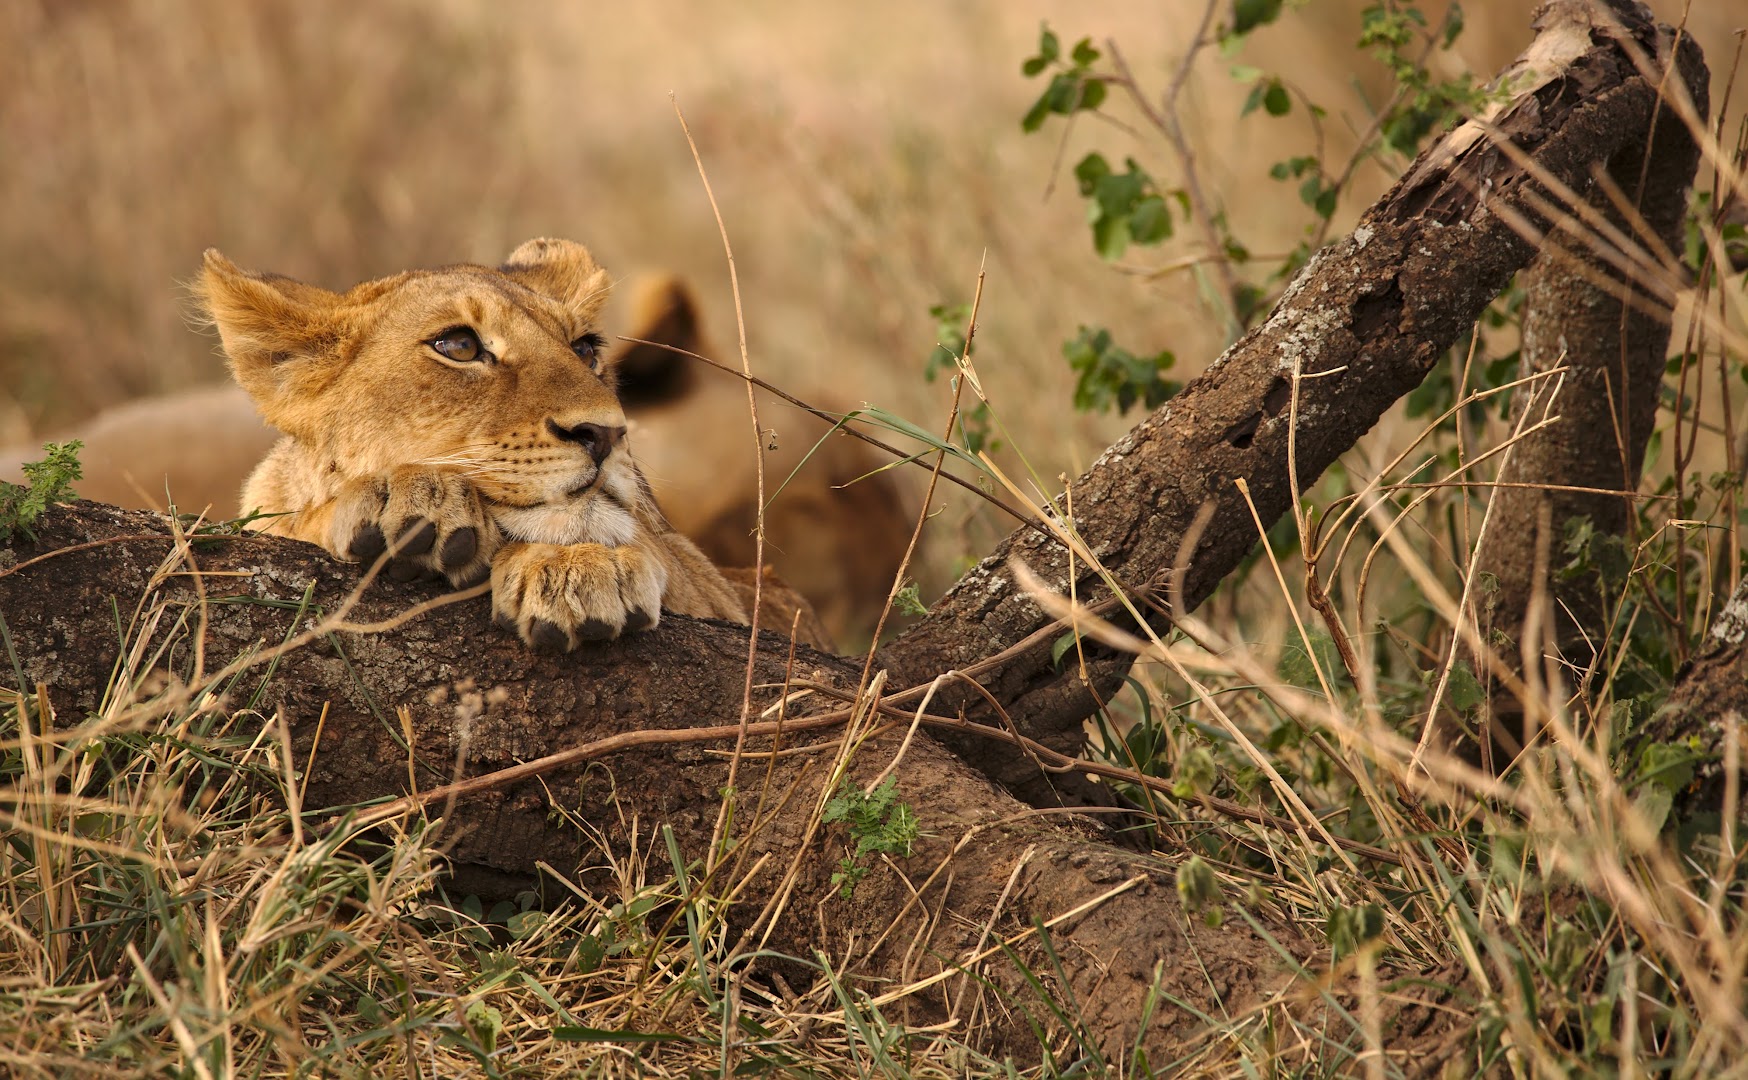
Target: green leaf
column 1090, row 170
column 908, row 601
column 1118, row 192
column 1276, row 99
column 950, row 321
column 1060, row 647
column 1195, row 773
column 523, row 924
column 1036, row 115
column 1150, row 222
column 487, row 1023
column 1033, row 66
column 879, row 823
column 1294, row 167
column 1112, row 376
column 1667, row 765
column 1111, row 236
column 370, row 1010
column 1063, row 93
column 1197, row 886
column 1084, row 54
column 1247, row 15
column 1253, row 100
column 1655, row 803
column 1296, row 666
column 590, row 953
column 1049, row 46
column 1464, row 690
column 1092, row 94
column 1453, row 26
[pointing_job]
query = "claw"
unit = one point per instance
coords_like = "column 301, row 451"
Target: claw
column 596, row 630
column 417, row 540
column 548, row 635
column 367, row 544
column 459, row 548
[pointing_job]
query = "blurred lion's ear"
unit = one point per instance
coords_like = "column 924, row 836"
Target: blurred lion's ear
column 663, row 311
column 274, row 329
column 563, row 270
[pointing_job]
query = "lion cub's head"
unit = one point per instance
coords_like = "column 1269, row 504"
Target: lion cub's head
column 499, row 372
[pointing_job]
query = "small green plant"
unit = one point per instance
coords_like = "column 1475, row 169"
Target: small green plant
column 1349, row 928
column 1399, row 35
column 1199, row 889
column 1111, row 377
column 1072, row 88
column 909, row 600
column 47, row 481
column 1122, row 206
column 879, row 823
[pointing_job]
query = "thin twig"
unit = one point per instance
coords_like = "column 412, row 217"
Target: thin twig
column 1168, row 125
column 1053, row 760
column 842, row 423
column 746, row 705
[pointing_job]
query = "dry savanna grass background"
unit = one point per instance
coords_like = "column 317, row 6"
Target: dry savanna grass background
column 868, row 159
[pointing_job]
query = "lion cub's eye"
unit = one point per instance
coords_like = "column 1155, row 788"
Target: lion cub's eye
column 589, row 347
column 461, row 345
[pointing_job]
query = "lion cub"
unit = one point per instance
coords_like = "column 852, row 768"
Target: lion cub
column 465, row 414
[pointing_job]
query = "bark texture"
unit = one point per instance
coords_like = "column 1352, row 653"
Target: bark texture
column 1370, row 316
column 1603, row 316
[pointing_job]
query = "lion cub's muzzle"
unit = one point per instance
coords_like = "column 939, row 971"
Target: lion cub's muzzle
column 597, row 440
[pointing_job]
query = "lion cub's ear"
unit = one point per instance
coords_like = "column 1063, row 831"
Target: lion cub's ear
column 563, row 270
column 274, row 329
column 663, row 311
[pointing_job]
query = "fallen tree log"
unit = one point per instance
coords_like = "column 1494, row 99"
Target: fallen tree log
column 373, row 711
column 474, row 695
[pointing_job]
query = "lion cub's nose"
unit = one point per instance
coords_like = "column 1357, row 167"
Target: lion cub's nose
column 598, row 439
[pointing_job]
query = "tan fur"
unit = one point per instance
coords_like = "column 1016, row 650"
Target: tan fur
column 469, row 468
column 193, row 446
column 836, row 531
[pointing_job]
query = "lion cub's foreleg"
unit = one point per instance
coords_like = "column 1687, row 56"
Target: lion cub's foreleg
column 555, row 595
column 551, row 595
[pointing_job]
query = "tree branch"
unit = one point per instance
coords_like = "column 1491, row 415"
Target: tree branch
column 1368, row 316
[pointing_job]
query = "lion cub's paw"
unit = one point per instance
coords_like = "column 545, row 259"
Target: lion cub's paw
column 555, row 595
column 437, row 519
